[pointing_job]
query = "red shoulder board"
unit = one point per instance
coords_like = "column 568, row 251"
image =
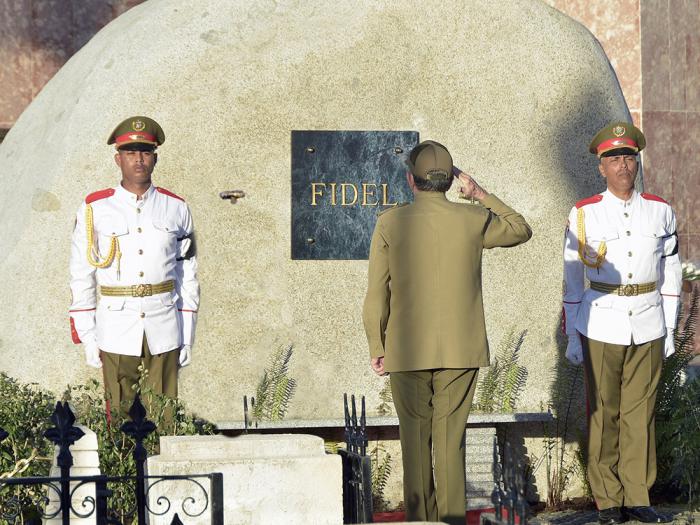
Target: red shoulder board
column 652, row 197
column 96, row 196
column 590, row 200
column 169, row 193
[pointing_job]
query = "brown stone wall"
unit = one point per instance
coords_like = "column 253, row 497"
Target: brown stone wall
column 654, row 47
column 616, row 25
column 671, row 110
column 38, row 37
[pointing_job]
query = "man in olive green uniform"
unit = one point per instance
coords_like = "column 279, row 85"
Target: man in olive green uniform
column 424, row 319
column 621, row 327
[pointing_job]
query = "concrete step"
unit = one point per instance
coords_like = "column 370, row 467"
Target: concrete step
column 479, row 503
column 479, row 477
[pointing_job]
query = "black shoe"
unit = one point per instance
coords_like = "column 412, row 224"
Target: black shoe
column 646, row 515
column 610, row 516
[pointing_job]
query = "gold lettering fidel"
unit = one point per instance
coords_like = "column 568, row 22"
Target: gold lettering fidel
column 366, row 193
column 315, row 193
column 343, row 194
column 350, row 194
column 333, row 199
column 385, row 196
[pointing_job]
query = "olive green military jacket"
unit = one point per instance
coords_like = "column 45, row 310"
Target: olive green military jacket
column 424, row 307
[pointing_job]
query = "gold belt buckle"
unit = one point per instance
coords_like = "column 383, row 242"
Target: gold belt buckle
column 141, row 290
column 629, row 290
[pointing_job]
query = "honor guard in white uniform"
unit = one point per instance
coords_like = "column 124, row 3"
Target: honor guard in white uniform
column 133, row 270
column 624, row 244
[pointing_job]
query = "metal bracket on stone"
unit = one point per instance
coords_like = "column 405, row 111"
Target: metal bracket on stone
column 247, row 419
column 232, row 195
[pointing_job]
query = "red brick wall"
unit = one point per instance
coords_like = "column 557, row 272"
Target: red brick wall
column 38, row 37
column 671, row 110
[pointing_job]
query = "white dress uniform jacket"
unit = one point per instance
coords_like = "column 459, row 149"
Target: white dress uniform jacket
column 642, row 247
column 156, row 244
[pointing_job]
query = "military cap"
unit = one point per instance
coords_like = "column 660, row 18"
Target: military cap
column 137, row 130
column 617, row 137
column 430, row 160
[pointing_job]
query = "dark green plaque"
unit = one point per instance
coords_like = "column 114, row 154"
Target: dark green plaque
column 340, row 181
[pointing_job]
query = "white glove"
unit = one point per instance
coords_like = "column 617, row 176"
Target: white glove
column 669, row 345
column 92, row 355
column 574, row 350
column 185, row 355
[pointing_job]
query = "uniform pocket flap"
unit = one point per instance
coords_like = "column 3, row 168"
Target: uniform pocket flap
column 169, row 299
column 113, row 304
column 606, row 235
column 652, row 299
column 604, row 301
column 165, row 225
column 657, row 232
column 111, row 226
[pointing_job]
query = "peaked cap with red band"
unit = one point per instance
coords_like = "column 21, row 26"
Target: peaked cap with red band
column 137, row 130
column 618, row 135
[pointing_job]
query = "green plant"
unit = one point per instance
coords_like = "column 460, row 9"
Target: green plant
column 501, row 386
column 25, row 410
column 678, row 418
column 386, row 400
column 557, row 434
column 116, row 448
column 561, row 461
column 331, row 446
column 381, row 469
column 275, row 389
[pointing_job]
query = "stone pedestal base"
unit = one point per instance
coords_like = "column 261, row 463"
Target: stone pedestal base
column 479, row 467
column 269, row 478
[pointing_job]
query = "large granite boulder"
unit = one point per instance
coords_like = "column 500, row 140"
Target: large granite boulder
column 515, row 92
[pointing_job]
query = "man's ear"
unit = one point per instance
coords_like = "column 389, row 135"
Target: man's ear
column 411, row 181
column 600, row 169
column 118, row 159
column 155, row 159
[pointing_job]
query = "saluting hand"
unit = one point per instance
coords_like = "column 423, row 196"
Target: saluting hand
column 469, row 188
column 377, row 364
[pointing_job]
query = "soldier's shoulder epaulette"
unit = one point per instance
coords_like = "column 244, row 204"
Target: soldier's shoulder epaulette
column 169, row 193
column 652, row 197
column 98, row 195
column 589, row 200
column 398, row 205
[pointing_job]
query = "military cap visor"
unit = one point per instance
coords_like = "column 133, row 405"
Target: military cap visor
column 618, row 136
column 430, row 160
column 137, row 146
column 617, row 152
column 137, row 130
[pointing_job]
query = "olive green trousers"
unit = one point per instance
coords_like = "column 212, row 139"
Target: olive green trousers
column 433, row 407
column 121, row 377
column 621, row 383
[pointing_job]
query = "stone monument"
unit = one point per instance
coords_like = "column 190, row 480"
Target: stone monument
column 514, row 92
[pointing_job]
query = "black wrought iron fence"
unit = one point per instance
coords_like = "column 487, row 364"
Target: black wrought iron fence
column 55, row 497
column 357, row 466
column 509, row 484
